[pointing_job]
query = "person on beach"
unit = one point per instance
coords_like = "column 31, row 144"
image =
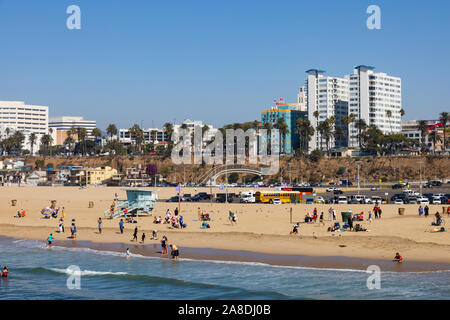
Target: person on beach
column 330, row 214
column 128, row 253
column 427, row 211
column 176, row 212
column 420, row 211
column 175, row 253
column 234, row 218
column 143, row 238
column 74, row 230
column 135, row 234
column 164, row 245
column 199, row 214
column 379, row 213
column 230, row 216
column 334, row 215
column 61, row 225
column 370, row 217
column 295, row 229
column 321, row 219
column 350, row 223
column 100, row 222
column 398, row 258
column 50, row 239
column 155, row 235
column 121, row 226
column 63, row 214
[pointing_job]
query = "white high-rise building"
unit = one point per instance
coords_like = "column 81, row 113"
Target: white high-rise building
column 17, row 116
column 372, row 96
column 301, row 99
column 329, row 97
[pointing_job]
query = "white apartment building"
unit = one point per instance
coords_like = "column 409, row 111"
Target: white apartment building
column 190, row 125
column 301, row 99
column 68, row 122
column 18, row 116
column 329, row 97
column 151, row 135
column 371, row 96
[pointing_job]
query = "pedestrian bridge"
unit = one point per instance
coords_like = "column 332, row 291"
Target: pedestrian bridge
column 218, row 171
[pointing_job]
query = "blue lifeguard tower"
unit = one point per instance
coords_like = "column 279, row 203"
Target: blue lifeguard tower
column 139, row 202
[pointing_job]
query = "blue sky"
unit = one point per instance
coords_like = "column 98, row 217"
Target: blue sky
column 216, row 61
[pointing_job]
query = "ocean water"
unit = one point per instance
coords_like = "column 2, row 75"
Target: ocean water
column 37, row 272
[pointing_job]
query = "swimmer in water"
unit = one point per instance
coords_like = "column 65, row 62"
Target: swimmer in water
column 398, row 258
column 5, row 272
column 175, row 252
column 50, row 239
column 127, row 253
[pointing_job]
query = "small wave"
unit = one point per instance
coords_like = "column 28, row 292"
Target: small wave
column 86, row 272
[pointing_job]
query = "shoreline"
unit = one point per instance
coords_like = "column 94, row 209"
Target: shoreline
column 338, row 263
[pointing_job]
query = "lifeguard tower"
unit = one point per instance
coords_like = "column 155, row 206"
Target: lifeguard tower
column 139, row 202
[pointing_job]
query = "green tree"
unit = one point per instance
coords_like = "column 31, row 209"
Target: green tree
column 423, row 128
column 111, row 130
column 32, row 139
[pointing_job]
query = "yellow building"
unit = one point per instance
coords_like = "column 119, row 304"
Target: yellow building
column 98, row 175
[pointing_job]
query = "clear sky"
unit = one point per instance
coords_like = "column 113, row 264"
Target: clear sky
column 220, row 61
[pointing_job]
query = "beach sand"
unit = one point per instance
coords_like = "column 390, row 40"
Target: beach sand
column 261, row 228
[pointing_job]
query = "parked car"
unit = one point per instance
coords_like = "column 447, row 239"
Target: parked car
column 397, row 186
column 309, row 200
column 331, row 189
column 373, row 189
column 413, row 201
column 423, row 200
column 204, row 196
column 399, row 201
column 338, row 191
column 172, row 199
column 342, row 200
column 377, row 200
column 276, row 201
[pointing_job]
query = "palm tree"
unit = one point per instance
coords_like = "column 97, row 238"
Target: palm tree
column 389, row 115
column 306, row 131
column 96, row 132
column 434, row 137
column 82, row 134
column 361, row 125
column 8, row 131
column 111, row 130
column 46, row 141
column 138, row 134
column 423, row 128
column 267, row 126
column 32, row 139
column 444, row 118
column 402, row 112
column 283, row 130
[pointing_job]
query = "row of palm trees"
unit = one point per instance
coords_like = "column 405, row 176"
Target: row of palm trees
column 433, row 135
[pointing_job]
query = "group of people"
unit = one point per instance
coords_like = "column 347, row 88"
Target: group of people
column 175, row 252
column 20, row 214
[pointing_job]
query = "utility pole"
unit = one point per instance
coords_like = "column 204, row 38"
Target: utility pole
column 420, row 177
column 358, row 180
column 179, row 198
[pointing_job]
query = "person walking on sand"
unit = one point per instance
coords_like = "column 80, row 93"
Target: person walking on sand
column 330, row 214
column 100, row 222
column 230, row 216
column 234, row 218
column 143, row 238
column 379, row 213
column 427, row 211
column 61, row 225
column 135, row 234
column 370, row 217
column 121, row 226
column 334, row 215
column 420, row 211
column 164, row 245
column 321, row 219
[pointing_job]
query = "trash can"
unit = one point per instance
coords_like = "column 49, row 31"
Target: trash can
column 13, row 203
column 346, row 216
column 401, row 211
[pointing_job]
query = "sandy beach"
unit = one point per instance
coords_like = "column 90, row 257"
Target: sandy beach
column 261, row 228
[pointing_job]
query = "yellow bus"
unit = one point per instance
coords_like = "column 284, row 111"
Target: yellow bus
column 284, row 196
